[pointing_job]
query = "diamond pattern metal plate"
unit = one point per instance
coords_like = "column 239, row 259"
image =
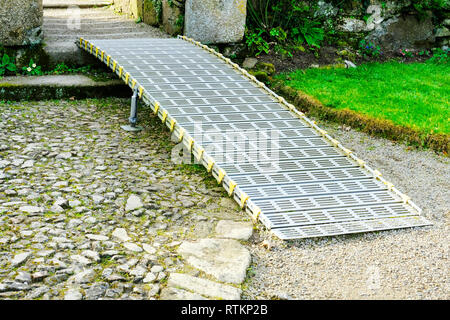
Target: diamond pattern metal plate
column 276, row 163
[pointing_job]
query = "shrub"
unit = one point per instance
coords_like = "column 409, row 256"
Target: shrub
column 282, row 22
column 255, row 42
column 440, row 55
column 368, row 49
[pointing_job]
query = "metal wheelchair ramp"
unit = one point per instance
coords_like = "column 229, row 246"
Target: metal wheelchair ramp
column 276, row 163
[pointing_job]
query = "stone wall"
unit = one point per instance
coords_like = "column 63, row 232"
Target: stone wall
column 151, row 13
column 215, row 21
column 208, row 21
column 442, row 33
column 21, row 22
column 391, row 24
column 133, row 8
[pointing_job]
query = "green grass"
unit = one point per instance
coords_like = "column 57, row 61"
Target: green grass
column 415, row 95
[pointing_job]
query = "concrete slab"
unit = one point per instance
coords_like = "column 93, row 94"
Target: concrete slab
column 226, row 260
column 234, row 230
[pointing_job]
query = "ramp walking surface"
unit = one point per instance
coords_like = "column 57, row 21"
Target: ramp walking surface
column 276, row 163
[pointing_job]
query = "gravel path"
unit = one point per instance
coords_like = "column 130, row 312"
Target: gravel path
column 399, row 264
column 88, row 211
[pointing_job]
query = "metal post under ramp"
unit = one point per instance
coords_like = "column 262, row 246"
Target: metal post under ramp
column 131, row 127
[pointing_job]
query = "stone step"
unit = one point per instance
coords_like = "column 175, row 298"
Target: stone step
column 60, row 4
column 111, row 22
column 224, row 259
column 60, row 87
column 61, row 30
column 94, row 13
column 93, row 35
column 87, row 29
column 171, row 293
column 66, row 52
column 93, row 19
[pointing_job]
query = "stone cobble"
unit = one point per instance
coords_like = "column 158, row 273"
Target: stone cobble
column 88, row 211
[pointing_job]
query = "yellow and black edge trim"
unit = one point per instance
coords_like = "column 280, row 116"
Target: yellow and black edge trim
column 198, row 151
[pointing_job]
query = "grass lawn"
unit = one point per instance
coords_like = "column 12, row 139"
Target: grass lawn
column 415, row 95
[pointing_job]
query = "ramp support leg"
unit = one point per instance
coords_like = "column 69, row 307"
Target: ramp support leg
column 133, row 115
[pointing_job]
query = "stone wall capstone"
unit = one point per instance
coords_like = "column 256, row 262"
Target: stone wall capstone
column 21, row 22
column 215, row 21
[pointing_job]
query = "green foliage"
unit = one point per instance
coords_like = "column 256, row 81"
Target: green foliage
column 368, row 49
column 180, row 21
column 284, row 51
column 281, row 24
column 437, row 55
column 279, row 34
column 32, row 69
column 62, row 68
column 255, row 42
column 421, row 6
column 406, row 53
column 440, row 56
column 311, row 32
column 92, row 71
column 269, row 14
column 7, row 64
column 157, row 4
column 423, row 53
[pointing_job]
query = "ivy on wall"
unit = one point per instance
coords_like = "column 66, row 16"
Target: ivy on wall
column 157, row 4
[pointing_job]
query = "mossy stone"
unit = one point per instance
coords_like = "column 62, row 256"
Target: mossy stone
column 265, row 67
column 260, row 75
column 347, row 54
column 151, row 16
column 23, row 55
